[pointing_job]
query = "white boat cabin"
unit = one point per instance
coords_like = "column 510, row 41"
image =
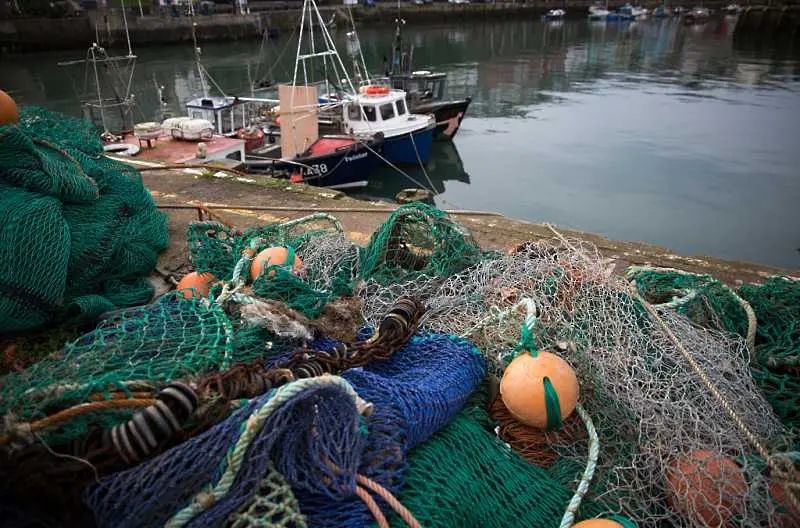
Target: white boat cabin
column 227, row 114
column 381, row 109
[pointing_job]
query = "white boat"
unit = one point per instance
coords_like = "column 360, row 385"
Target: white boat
column 597, row 12
column 555, row 14
column 733, row 9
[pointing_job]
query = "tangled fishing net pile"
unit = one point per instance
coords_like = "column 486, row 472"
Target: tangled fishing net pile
column 358, row 386
column 79, row 231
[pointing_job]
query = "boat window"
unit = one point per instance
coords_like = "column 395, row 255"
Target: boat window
column 353, row 112
column 369, row 111
column 401, row 107
column 387, row 111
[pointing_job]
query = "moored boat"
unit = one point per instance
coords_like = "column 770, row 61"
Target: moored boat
column 425, row 90
column 407, row 137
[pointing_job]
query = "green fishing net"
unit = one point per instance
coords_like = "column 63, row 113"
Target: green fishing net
column 330, row 261
column 776, row 364
column 415, row 240
column 702, row 298
column 131, row 350
column 80, row 231
column 464, row 476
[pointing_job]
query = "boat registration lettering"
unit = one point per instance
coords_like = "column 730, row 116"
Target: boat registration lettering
column 320, row 168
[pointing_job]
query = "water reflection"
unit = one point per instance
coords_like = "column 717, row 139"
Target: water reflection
column 445, row 166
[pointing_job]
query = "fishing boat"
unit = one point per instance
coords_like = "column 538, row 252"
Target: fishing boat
column 662, row 12
column 598, row 12
column 371, row 109
column 555, row 14
column 697, row 15
column 407, row 137
column 425, row 90
column 733, row 9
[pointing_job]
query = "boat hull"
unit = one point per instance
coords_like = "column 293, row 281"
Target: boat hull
column 347, row 168
column 448, row 115
column 411, row 148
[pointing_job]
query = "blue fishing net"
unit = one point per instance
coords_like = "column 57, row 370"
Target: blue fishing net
column 307, row 437
column 316, row 441
column 415, row 393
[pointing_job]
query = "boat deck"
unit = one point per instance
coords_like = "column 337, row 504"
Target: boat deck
column 166, row 149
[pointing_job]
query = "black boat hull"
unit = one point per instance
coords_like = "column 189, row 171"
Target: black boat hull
column 448, row 114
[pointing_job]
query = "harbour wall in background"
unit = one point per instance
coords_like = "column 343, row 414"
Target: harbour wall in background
column 43, row 34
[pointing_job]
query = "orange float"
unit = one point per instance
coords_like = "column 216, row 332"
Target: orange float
column 274, row 256
column 9, row 113
column 707, row 487
column 196, row 284
column 598, row 523
column 540, row 390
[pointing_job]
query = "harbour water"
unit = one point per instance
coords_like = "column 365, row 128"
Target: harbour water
column 650, row 131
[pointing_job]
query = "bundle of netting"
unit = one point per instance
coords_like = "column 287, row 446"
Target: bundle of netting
column 776, row 361
column 702, row 298
column 418, row 240
column 80, row 231
column 305, row 263
column 104, row 376
column 675, row 405
column 333, row 457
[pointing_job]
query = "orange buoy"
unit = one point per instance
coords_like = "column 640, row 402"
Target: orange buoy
column 9, row 113
column 274, row 256
column 196, row 284
column 707, row 487
column 540, row 390
column 786, row 515
column 598, row 523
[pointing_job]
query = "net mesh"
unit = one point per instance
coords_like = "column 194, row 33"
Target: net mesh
column 670, row 453
column 79, row 230
column 649, row 405
column 464, row 476
column 776, row 365
column 418, row 240
column 134, row 348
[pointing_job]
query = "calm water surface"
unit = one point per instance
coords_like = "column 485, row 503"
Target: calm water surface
column 650, row 131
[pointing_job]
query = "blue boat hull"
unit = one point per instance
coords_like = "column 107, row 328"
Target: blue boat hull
column 409, row 148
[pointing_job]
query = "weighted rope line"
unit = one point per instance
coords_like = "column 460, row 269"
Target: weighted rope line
column 251, row 427
column 588, row 473
column 776, row 471
column 72, row 412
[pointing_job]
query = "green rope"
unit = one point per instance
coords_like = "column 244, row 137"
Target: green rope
column 624, row 521
column 527, row 341
column 552, row 406
column 251, row 427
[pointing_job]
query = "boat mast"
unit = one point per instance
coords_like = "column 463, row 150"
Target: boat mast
column 197, row 52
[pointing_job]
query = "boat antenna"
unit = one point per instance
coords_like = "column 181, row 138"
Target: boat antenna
column 366, row 76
